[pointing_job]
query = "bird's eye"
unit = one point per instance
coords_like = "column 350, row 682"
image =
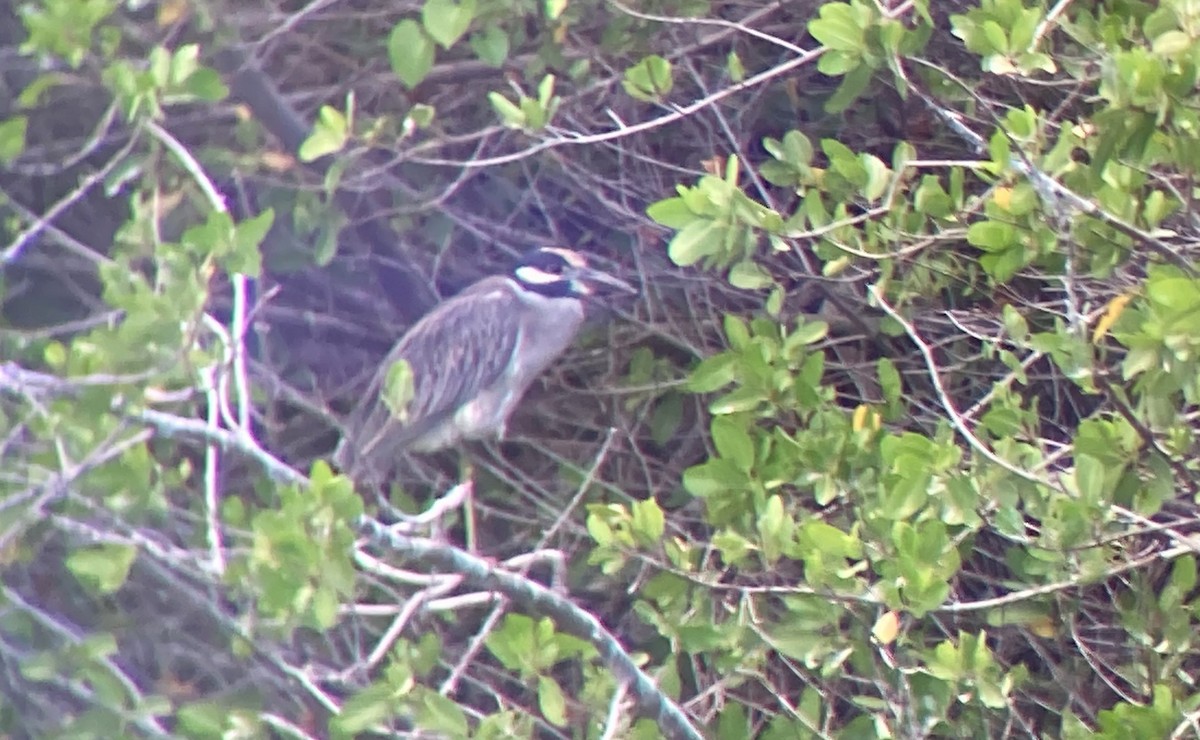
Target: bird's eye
column 554, row 268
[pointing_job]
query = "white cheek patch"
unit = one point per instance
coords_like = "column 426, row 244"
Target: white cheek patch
column 533, row 276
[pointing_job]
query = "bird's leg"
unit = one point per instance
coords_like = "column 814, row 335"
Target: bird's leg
column 466, row 473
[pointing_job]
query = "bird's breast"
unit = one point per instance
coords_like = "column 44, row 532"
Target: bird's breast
column 548, row 326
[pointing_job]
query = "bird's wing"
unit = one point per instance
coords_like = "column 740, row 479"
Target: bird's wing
column 462, row 345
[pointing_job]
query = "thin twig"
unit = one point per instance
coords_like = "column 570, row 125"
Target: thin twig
column 954, row 417
column 44, row 220
column 534, row 597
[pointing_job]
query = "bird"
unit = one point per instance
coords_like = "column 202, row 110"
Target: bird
column 472, row 357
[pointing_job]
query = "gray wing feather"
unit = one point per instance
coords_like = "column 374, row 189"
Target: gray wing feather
column 462, row 345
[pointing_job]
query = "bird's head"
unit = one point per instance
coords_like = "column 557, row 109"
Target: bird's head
column 561, row 273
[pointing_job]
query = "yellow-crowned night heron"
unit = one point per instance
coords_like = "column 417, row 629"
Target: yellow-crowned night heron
column 472, row 358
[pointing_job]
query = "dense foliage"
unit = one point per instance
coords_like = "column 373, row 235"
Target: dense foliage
column 897, row 441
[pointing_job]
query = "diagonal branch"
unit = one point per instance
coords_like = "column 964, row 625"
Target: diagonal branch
column 478, row 573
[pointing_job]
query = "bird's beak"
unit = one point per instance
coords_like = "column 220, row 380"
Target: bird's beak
column 596, row 282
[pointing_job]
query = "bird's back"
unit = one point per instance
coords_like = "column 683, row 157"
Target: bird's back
column 471, row 357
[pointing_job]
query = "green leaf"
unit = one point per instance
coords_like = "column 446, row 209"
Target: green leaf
column 840, row 156
column 878, row 177
column 649, row 79
column 700, row 637
column 329, row 135
column 1127, row 720
column 992, row 236
column 732, row 546
column 1183, row 575
column 736, row 331
column 648, row 521
column 838, row 63
column 775, row 529
column 774, row 303
column 104, row 567
column 399, row 389
column 32, row 94
column 666, row 418
column 184, row 61
column 699, row 239
column 600, row 530
column 734, row 67
column 1173, row 294
column 799, row 643
column 671, row 212
column 510, row 114
column 713, row 373
column 98, row 645
column 733, row 442
column 749, row 275
column 546, row 92
column 713, row 478
column 995, row 36
column 853, row 85
column 733, row 724
column 931, row 198
column 514, row 643
column 442, row 715
column 551, row 701
column 1021, row 32
column 325, row 243
column 1001, row 151
column 158, row 65
column 1090, row 477
column 206, row 84
column 446, row 21
column 533, row 112
column 1014, row 323
column 829, row 540
column 205, row 719
column 410, row 52
column 742, row 399
column 54, row 354
column 324, row 608
column 837, row 28
column 808, row 332
column 12, row 137
column 795, row 149
column 1021, row 123
column 245, row 257
column 491, row 45
column 1172, row 43
column 1001, row 266
column 421, row 115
